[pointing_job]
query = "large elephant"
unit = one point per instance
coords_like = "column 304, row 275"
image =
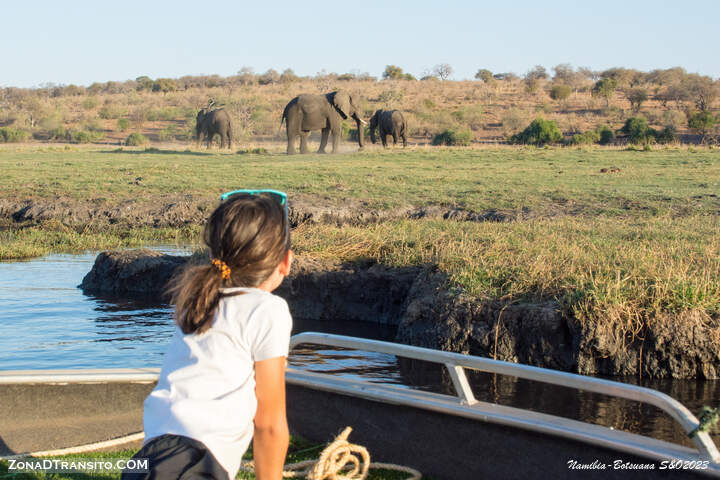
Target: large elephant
column 308, row 112
column 211, row 122
column 389, row 122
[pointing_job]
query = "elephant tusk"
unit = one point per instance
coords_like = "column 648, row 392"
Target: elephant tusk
column 363, row 121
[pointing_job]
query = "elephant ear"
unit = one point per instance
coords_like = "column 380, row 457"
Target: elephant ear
column 341, row 100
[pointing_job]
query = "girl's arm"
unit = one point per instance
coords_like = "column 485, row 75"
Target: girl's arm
column 271, row 438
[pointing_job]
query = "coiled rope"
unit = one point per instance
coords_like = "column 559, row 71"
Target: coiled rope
column 340, row 460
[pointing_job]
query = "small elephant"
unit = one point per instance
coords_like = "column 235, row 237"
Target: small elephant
column 211, row 122
column 309, row 112
column 389, row 122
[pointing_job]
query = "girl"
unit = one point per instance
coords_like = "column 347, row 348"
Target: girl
column 223, row 377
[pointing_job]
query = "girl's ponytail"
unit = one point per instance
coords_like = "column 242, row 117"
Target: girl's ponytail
column 196, row 294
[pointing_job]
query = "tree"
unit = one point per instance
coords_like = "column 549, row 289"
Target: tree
column 702, row 90
column 605, row 87
column 144, row 83
column 703, row 122
column 269, row 77
column 539, row 132
column 164, row 85
column 288, row 76
column 534, row 76
column 442, row 71
column 560, row 92
column 638, row 131
column 564, row 73
column 392, row 72
column 636, row 96
column 485, row 75
column 247, row 76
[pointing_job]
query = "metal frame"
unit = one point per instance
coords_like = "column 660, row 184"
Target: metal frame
column 456, row 364
column 462, row 404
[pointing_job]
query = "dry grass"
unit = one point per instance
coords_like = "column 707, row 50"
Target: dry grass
column 491, row 111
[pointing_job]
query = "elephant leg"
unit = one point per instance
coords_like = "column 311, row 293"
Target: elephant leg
column 303, row 142
column 210, row 136
column 404, row 139
column 383, row 137
column 229, row 140
column 395, row 137
column 324, row 139
column 222, row 140
column 336, row 140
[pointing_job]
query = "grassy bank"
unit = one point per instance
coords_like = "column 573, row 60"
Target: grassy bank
column 621, row 247
column 543, row 182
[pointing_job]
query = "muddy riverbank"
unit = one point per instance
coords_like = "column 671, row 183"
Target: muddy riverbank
column 429, row 313
column 178, row 210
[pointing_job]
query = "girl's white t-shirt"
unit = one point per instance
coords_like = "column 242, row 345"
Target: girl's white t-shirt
column 206, row 389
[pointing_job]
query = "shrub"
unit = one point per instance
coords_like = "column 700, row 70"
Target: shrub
column 13, row 135
column 585, row 138
column 388, row 97
column 59, row 133
column 539, row 132
column 638, row 131
column 513, row 120
column 453, row 138
column 109, row 112
column 164, row 85
column 90, row 103
column 702, row 121
column 167, row 133
column 288, row 76
column 269, row 77
column 85, row 136
column 471, row 116
column 560, row 92
column 135, row 139
column 674, row 118
column 666, row 135
column 123, row 124
column 606, row 135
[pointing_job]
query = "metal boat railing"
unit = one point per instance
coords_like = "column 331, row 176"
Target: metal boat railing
column 463, row 403
column 456, row 364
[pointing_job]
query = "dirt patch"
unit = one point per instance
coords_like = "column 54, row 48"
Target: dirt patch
column 429, row 314
column 180, row 210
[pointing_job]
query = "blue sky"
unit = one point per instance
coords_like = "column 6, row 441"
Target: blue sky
column 82, row 42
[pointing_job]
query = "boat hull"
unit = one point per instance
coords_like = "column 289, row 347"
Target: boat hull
column 449, row 447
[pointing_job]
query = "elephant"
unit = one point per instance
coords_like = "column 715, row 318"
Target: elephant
column 389, row 122
column 309, row 112
column 209, row 122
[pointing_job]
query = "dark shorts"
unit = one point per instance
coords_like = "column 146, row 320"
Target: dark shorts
column 177, row 457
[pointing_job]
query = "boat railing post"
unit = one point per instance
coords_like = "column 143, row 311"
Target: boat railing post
column 461, row 384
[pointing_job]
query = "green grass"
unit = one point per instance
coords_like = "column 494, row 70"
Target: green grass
column 622, row 249
column 545, row 181
column 299, row 450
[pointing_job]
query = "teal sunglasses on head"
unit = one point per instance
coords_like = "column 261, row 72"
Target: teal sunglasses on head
column 277, row 195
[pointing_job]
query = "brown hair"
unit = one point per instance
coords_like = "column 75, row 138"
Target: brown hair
column 250, row 234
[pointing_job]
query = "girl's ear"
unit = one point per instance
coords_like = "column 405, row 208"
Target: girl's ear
column 286, row 263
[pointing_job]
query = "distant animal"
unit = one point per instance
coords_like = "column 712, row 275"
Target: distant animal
column 309, row 112
column 389, row 122
column 210, row 122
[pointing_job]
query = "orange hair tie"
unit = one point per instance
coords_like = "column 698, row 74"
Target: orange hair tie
column 222, row 266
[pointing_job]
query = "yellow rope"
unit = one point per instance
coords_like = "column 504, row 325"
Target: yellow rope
column 341, row 460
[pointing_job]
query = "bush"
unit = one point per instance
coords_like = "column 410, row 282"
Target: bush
column 453, row 137
column 666, row 135
column 135, row 139
column 703, row 122
column 485, row 75
column 85, row 136
column 123, row 124
column 59, row 133
column 109, row 112
column 606, row 135
column 13, row 135
column 585, row 138
column 560, row 92
column 539, row 132
column 90, row 103
column 638, row 131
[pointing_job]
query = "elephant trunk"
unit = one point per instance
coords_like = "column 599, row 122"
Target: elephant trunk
column 360, row 129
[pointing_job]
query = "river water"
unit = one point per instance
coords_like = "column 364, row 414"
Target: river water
column 46, row 322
